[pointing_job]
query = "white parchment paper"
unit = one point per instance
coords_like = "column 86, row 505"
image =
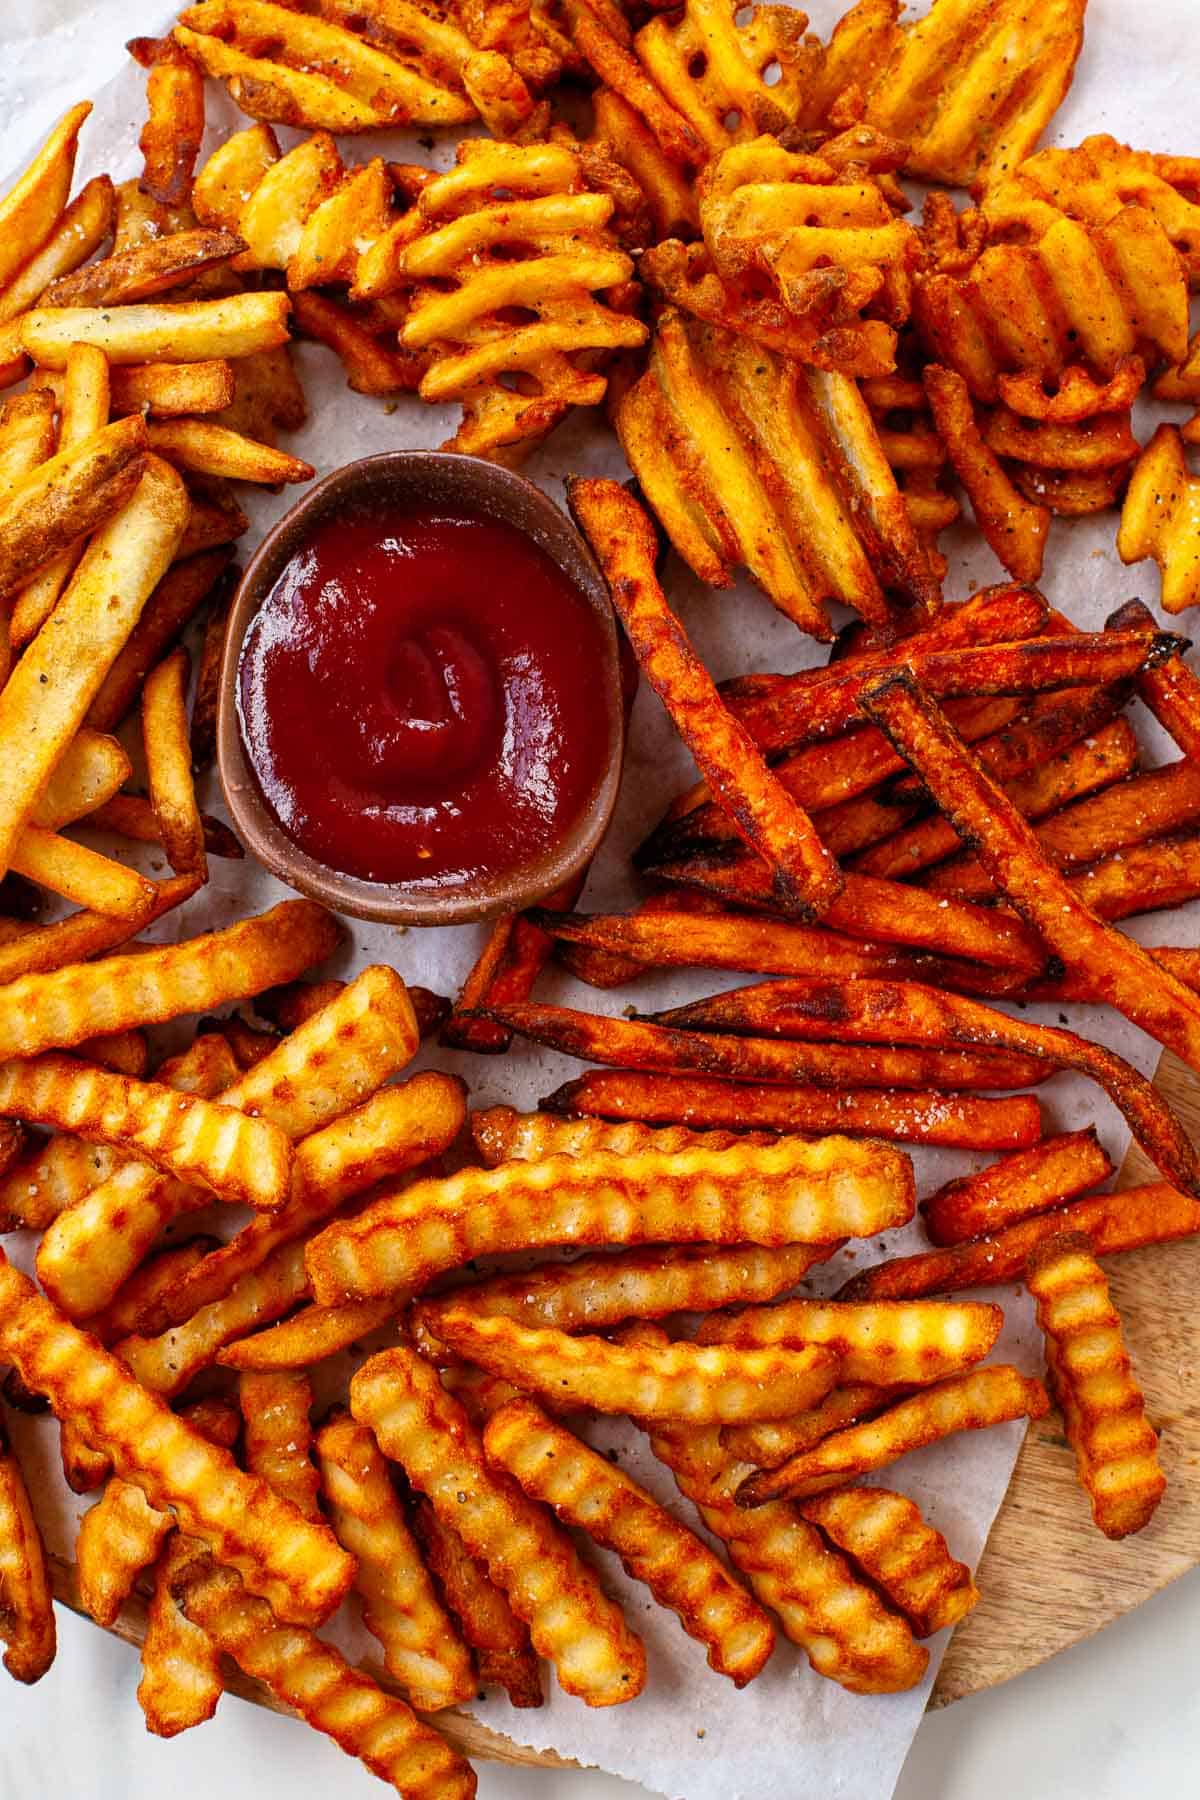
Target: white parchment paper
column 689, row 1735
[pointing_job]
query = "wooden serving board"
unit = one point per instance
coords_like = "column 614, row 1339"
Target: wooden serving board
column 1047, row 1577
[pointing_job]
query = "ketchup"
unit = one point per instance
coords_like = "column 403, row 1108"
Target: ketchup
column 419, row 697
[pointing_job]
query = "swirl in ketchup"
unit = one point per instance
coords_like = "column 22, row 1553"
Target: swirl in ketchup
column 418, row 697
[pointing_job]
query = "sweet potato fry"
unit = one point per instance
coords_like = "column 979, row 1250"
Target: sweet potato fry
column 26, row 1602
column 502, row 1134
column 203, row 447
column 970, row 1402
column 77, row 234
column 1033, row 1181
column 588, row 1492
column 313, row 1334
column 32, row 208
column 962, row 1121
column 1119, row 970
column 885, row 1536
column 163, row 331
column 766, row 817
column 503, row 1653
column 769, row 1444
column 894, row 1345
column 169, row 764
column 297, row 1565
column 422, row 1649
column 63, row 499
column 176, row 598
column 1169, row 688
column 181, row 1667
column 174, row 130
column 571, row 1621
column 793, row 1192
column 678, row 1381
column 1093, row 1384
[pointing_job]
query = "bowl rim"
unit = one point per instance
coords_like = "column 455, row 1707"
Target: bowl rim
column 478, row 486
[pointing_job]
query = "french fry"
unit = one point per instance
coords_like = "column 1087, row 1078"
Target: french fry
column 77, row 234
column 315, row 1333
column 278, row 1436
column 1170, row 689
column 792, row 1192
column 205, row 448
column 961, row 1121
column 572, row 1622
column 677, row 1381
column 885, row 1536
column 970, row 1402
column 1015, row 528
column 840, row 1623
column 1160, row 520
column 501, row 1134
column 313, row 1679
column 212, row 522
column 894, row 1345
column 504, row 1655
column 82, row 875
column 1057, row 1169
column 296, row 1564
column 373, row 366
column 1118, row 969
column 181, row 1667
column 132, row 816
column 231, row 175
column 169, row 764
column 589, row 1493
column 33, row 207
column 173, row 390
column 174, row 130
column 85, row 1468
column 27, row 440
column 142, row 273
column 143, row 1287
column 1094, row 1387
column 70, row 495
column 164, row 331
column 422, row 1649
column 90, row 771
column 176, row 598
column 769, row 1444
column 26, row 1602
column 206, row 700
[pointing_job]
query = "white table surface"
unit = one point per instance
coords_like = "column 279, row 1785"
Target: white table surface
column 1118, row 1716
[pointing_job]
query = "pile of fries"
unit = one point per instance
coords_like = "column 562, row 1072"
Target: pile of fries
column 949, row 816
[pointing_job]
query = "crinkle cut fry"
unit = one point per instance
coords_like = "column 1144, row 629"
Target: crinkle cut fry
column 26, row 1603
column 790, row 1192
column 297, row 1565
column 571, row 1621
column 316, row 1681
column 502, row 1134
column 1093, row 1384
column 503, row 1653
column 181, row 1680
column 886, row 1345
column 588, row 1492
column 764, row 814
column 841, row 1624
column 278, row 1436
column 884, row 1534
column 770, row 1444
column 1119, row 970
column 983, row 1397
column 1059, row 1168
column 422, row 1649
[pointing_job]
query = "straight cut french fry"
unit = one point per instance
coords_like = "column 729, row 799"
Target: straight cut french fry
column 1057, row 1169
column 572, row 1622
column 203, row 447
column 884, row 1345
column 175, row 600
column 72, row 493
column 792, row 1192
column 82, row 875
column 589, row 1493
column 145, row 271
column 26, row 1603
column 173, row 390
column 169, row 764
column 504, row 1655
column 297, row 1565
column 77, row 234
column 32, row 207
column 278, row 1436
column 178, row 331
column 886, row 1537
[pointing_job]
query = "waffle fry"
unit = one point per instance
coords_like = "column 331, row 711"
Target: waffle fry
column 1094, row 1387
column 1057, row 1169
column 1160, row 518
column 968, row 1402
column 572, row 1623
column 504, row 1655
column 26, row 1604
column 885, row 1536
column 884, row 1346
column 792, row 1192
column 32, row 208
column 422, row 1650
column 279, row 1437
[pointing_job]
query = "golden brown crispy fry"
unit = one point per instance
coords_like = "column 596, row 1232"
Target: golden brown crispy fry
column 78, row 232
column 885, row 1535
column 588, row 1492
column 313, row 1334
column 85, row 1468
column 1015, row 528
column 571, row 1621
column 66, row 497
column 791, row 1192
column 89, row 773
column 373, row 366
column 279, row 1436
column 33, row 207
column 295, row 1563
column 150, row 269
column 169, row 764
column 205, row 448
column 212, row 522
column 174, row 129
column 1092, row 1380
column 173, row 390
column 769, row 1444
column 501, row 1134
column 885, row 1345
column 132, row 816
column 165, row 331
column 422, row 1649
column 144, row 1286
column 1161, row 518
column 503, row 1653
column 205, row 701
column 82, row 875
column 26, row 1603
column 666, row 192
column 1057, row 1169
column 984, row 1397
column 964, row 1121
column 181, row 1667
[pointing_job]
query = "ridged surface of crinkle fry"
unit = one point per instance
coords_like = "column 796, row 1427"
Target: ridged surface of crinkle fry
column 422, row 1649
column 239, row 1158
column 885, row 1536
column 1094, row 1387
column 839, row 1622
column 278, row 1436
column 571, row 1620
column 790, row 1192
column 595, row 1291
column 315, row 1679
column 26, row 1603
column 504, row 1655
column 773, row 1441
column 328, row 1065
column 142, row 1289
column 990, row 1396
column 889, row 1345
column 295, row 1564
column 707, row 1385
column 502, row 1134
column 51, row 1177
column 43, row 1012
column 587, row 1492
column 181, row 1666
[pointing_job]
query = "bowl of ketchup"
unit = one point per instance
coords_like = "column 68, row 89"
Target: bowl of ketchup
column 420, row 714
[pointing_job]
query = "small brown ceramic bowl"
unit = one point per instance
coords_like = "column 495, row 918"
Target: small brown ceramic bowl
column 457, row 484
